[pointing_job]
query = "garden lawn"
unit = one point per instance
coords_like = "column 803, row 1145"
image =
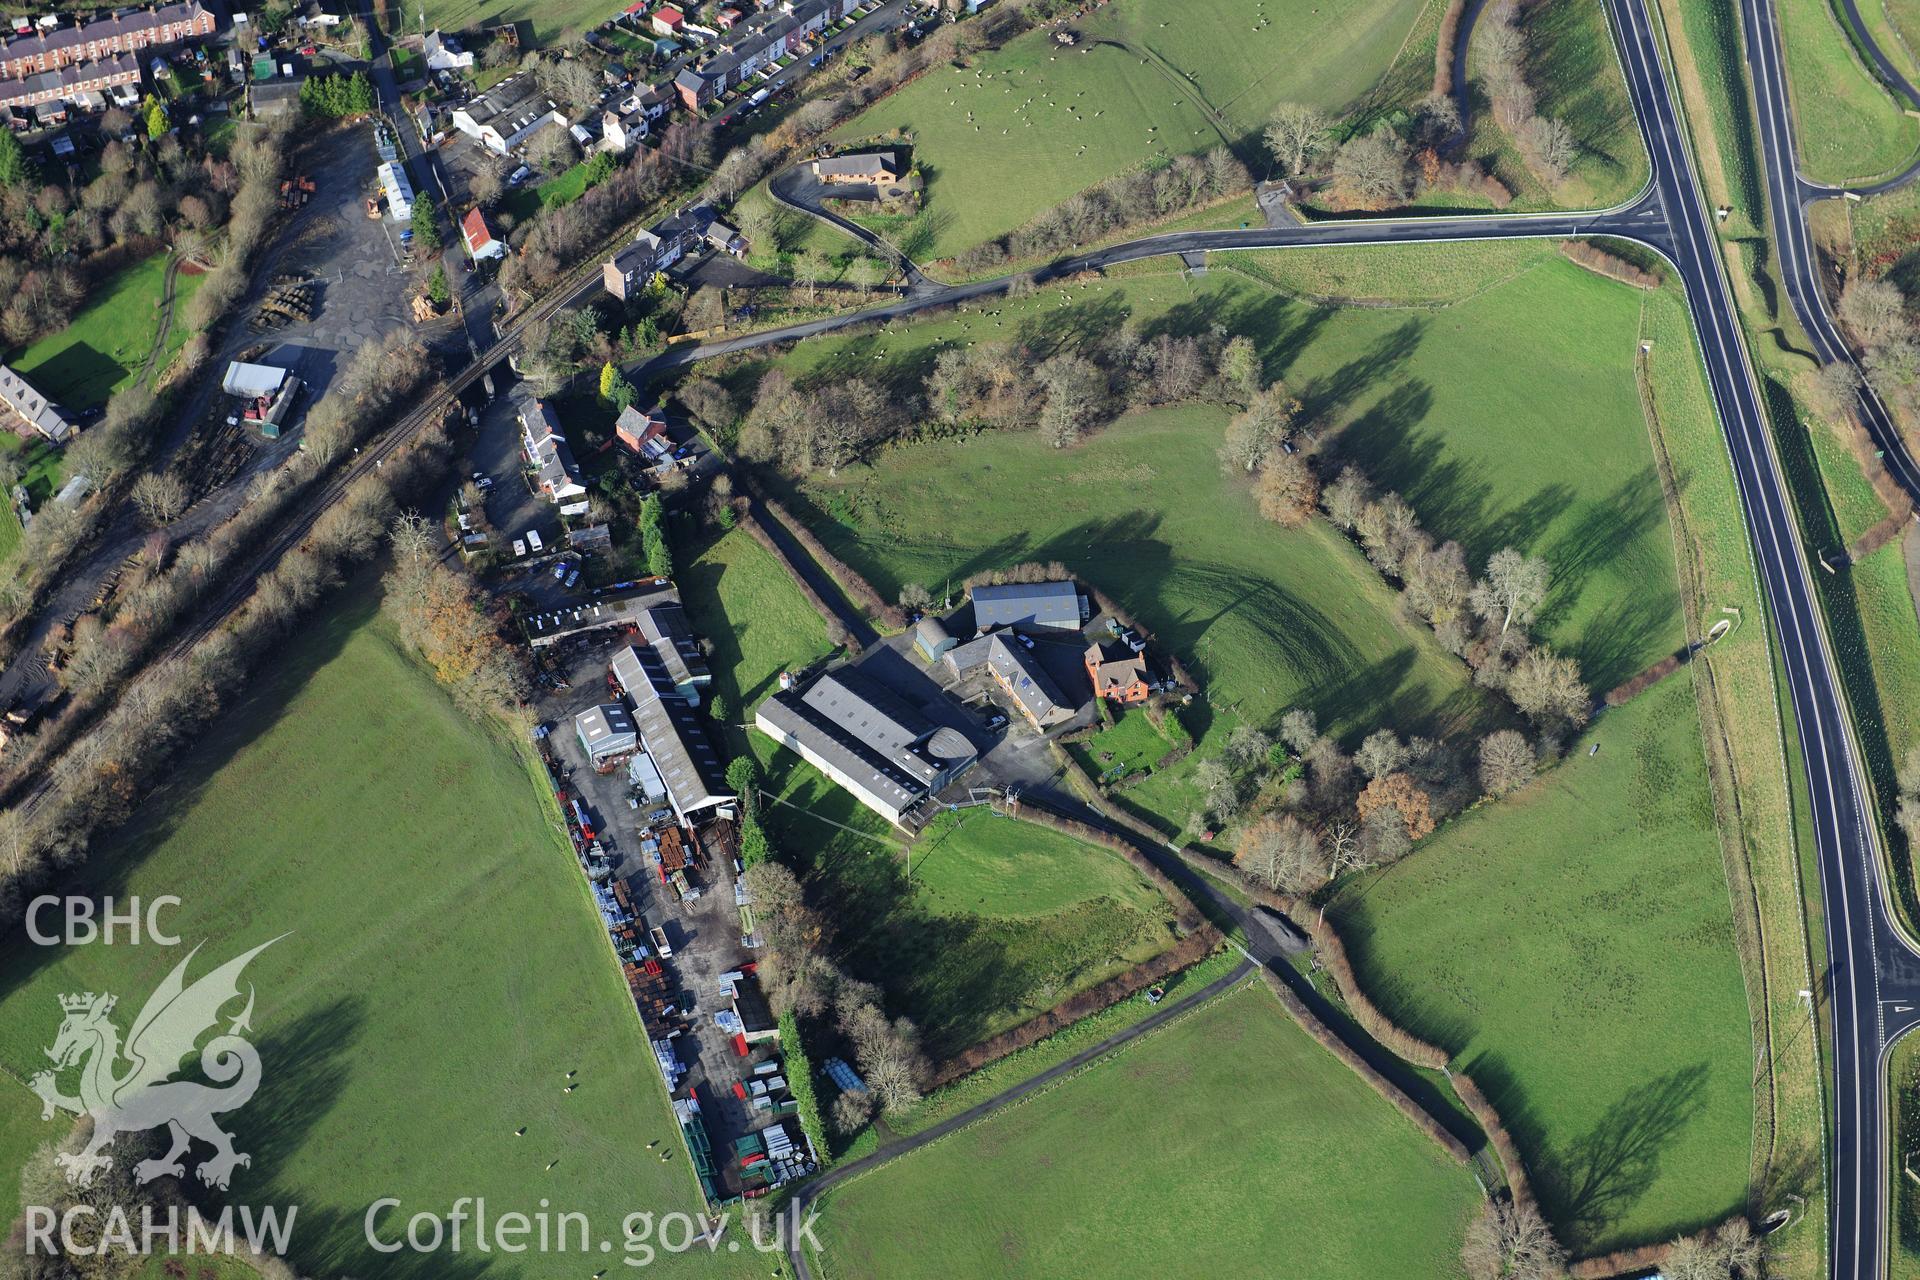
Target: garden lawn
column 986, row 922
column 10, row 531
column 1130, row 746
column 442, row 971
column 1849, row 127
column 1023, row 127
column 1589, row 984
column 1215, row 1146
column 107, row 344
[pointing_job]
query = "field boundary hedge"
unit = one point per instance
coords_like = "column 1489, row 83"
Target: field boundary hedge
column 758, row 531
column 1185, row 913
column 1187, row 952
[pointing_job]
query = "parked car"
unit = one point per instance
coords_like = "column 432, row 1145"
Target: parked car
column 560, row 571
column 483, row 481
column 519, row 176
column 533, row 541
column 573, row 577
column 519, row 547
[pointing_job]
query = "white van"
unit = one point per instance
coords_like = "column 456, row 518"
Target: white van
column 533, row 540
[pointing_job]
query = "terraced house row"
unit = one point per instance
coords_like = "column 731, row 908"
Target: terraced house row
column 758, row 47
column 120, row 32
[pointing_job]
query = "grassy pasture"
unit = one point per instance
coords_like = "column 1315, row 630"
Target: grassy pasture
column 1484, row 450
column 1893, row 642
column 1610, row 1028
column 1025, row 126
column 1574, row 67
column 1200, row 1147
column 400, row 1053
column 987, row 921
column 107, row 344
column 1848, row 126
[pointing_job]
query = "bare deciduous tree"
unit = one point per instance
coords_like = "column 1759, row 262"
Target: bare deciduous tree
column 1515, row 587
column 1506, row 762
column 1295, row 134
column 1511, row 1242
column 160, row 497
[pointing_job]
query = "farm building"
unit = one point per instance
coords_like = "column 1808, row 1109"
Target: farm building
column 606, row 733
column 877, row 167
column 608, row 613
column 27, row 401
column 268, row 99
column 931, row 638
column 669, row 664
column 1030, row 606
column 689, row 767
column 1019, row 675
column 1118, row 673
column 506, row 115
column 866, row 739
column 399, row 192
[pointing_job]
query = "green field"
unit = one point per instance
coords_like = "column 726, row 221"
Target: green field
column 1893, row 642
column 107, row 344
column 1023, row 127
column 1486, row 451
column 399, row 1057
column 758, row 622
column 1903, row 1075
column 1591, row 986
column 549, row 20
column 1848, row 126
column 1573, row 65
column 988, row 921
column 1213, row 1147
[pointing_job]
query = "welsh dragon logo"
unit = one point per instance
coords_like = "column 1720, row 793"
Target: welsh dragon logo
column 142, row 1095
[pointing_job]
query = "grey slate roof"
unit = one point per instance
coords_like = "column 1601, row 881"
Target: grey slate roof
column 688, row 764
column 867, row 733
column 1027, row 604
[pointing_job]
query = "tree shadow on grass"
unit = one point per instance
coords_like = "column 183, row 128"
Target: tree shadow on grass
column 1590, row 1183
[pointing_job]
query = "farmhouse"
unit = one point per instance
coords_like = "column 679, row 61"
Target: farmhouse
column 606, row 733
column 866, row 739
column 1018, row 673
column 876, row 167
column 1031, row 606
column 40, row 413
column 481, row 243
column 1118, row 673
column 626, row 273
column 507, row 114
column 546, row 451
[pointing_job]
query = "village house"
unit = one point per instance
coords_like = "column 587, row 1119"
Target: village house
column 626, row 273
column 443, row 53
column 547, row 452
column 32, row 405
column 642, row 431
column 81, row 84
column 481, row 242
column 125, row 31
column 875, row 167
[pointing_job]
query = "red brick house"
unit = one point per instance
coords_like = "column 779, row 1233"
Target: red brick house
column 1118, row 674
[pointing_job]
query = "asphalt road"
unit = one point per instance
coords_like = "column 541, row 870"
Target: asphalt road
column 1875, row 982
